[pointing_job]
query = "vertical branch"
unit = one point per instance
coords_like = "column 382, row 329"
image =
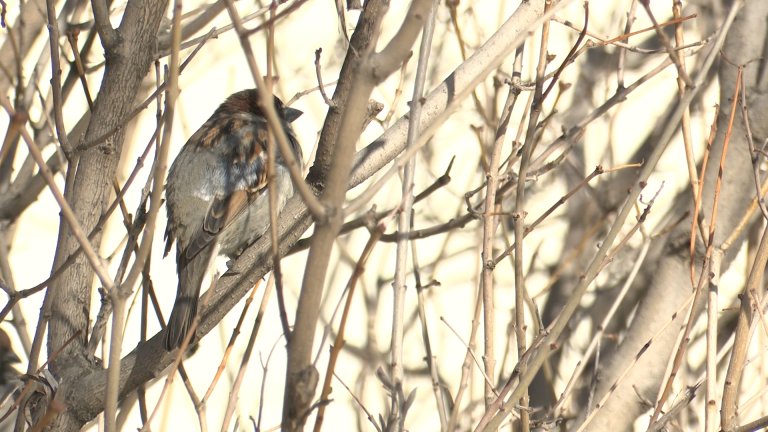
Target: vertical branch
column 271, row 175
column 466, row 364
column 53, row 32
column 404, row 221
column 119, row 296
column 362, row 41
column 715, row 258
column 710, row 410
column 429, row 355
column 623, row 52
column 685, row 124
column 239, row 378
column 519, row 213
column 339, row 341
column 490, row 222
column 301, row 376
column 107, row 34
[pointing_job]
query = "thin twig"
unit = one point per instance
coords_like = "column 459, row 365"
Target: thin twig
column 294, row 166
column 682, row 73
column 541, row 351
column 93, row 258
column 320, row 86
column 338, row 343
column 404, row 222
column 53, row 32
column 235, row 390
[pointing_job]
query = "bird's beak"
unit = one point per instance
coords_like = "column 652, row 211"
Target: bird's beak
column 291, row 114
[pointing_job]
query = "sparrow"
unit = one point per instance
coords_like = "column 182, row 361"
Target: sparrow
column 10, row 383
column 8, row 375
column 216, row 195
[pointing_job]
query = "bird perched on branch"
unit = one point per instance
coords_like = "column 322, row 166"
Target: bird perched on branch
column 217, row 194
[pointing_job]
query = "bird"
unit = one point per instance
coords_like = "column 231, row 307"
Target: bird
column 216, row 194
column 10, row 383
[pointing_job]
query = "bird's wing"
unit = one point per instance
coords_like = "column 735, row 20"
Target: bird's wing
column 222, row 211
column 247, row 146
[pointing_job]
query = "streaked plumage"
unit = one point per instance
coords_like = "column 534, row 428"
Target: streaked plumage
column 216, row 193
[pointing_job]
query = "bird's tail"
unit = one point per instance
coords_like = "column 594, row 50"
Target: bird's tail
column 185, row 308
